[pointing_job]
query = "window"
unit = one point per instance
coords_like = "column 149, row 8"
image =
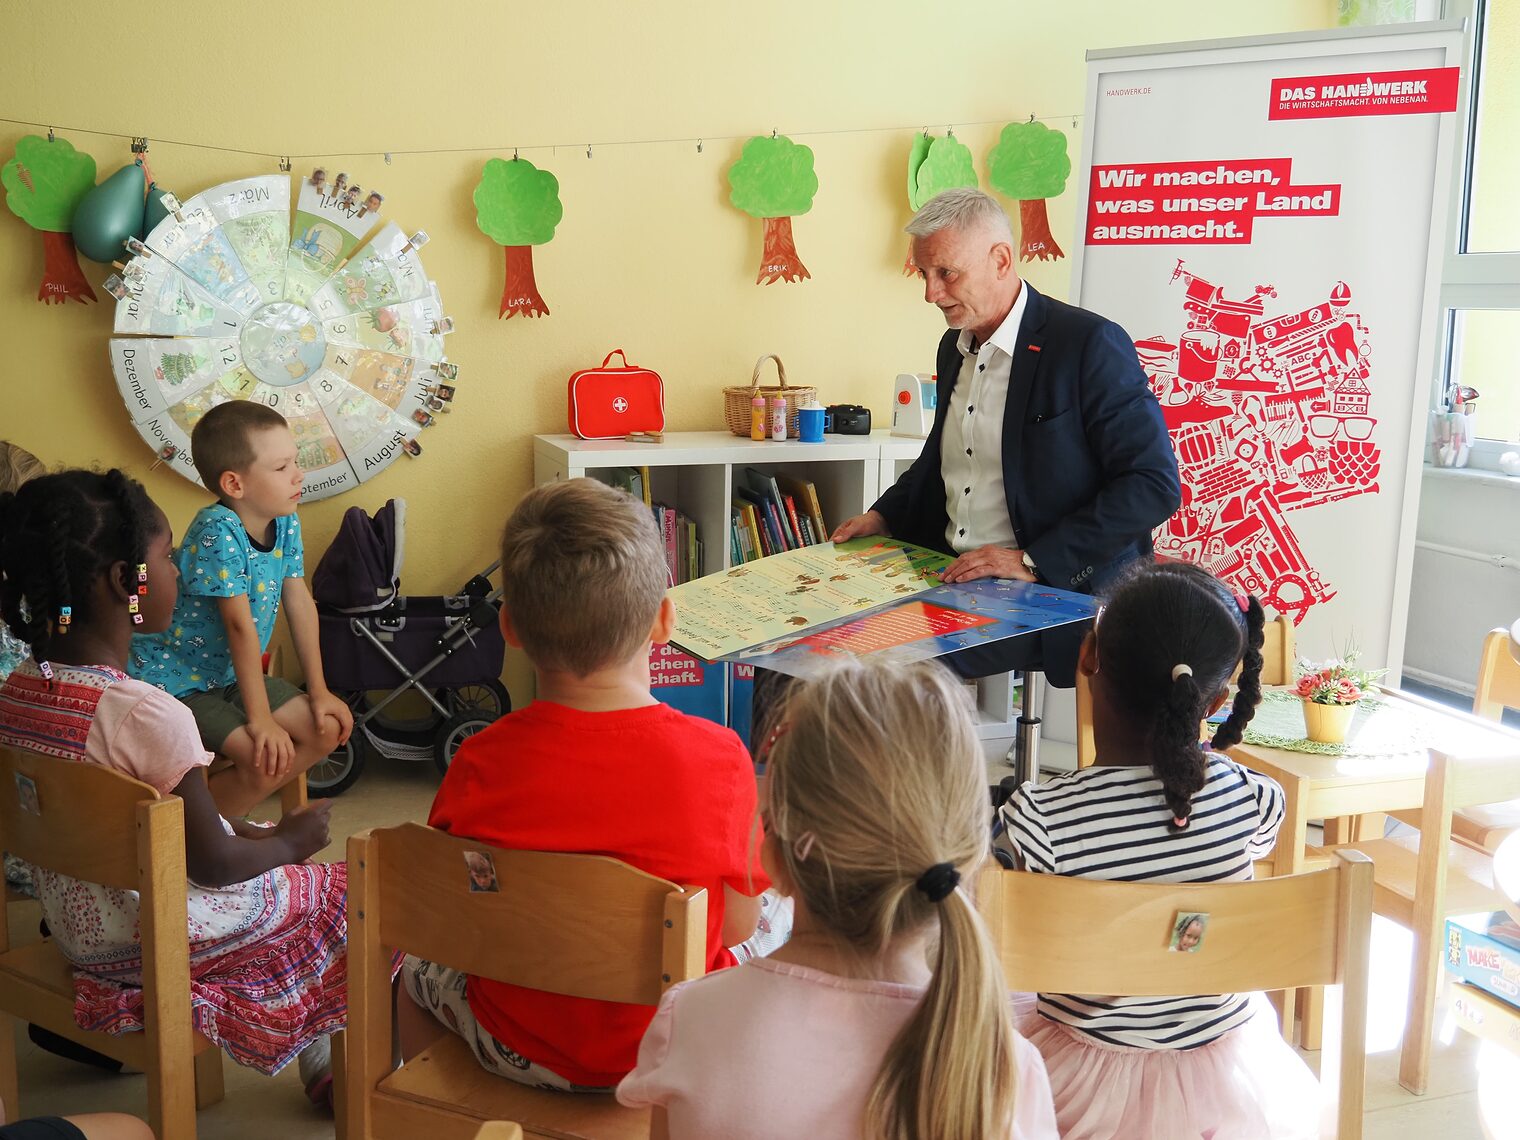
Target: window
column 1480, row 281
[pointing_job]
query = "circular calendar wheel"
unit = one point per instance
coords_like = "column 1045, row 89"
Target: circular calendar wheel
column 331, row 321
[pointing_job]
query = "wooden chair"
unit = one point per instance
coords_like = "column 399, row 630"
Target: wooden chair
column 1487, row 826
column 1422, row 879
column 103, row 827
column 1277, row 658
column 1299, row 930
column 580, row 925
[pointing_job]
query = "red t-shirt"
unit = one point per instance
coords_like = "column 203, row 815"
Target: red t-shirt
column 670, row 794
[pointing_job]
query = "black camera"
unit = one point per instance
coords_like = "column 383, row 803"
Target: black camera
column 847, row 419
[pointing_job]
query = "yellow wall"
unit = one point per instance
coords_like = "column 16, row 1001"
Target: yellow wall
column 650, row 256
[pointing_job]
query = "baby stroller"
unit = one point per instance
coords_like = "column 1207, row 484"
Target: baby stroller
column 378, row 644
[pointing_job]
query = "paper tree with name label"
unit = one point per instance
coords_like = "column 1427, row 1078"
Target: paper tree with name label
column 517, row 206
column 44, row 184
column 934, row 166
column 1030, row 163
column 774, row 180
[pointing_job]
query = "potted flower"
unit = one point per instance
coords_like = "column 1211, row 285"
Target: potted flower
column 1330, row 691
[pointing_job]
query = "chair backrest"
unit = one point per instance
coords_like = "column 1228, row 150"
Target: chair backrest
column 94, row 824
column 1277, row 652
column 1281, row 933
column 580, row 925
column 1277, row 664
column 1498, row 676
column 59, row 814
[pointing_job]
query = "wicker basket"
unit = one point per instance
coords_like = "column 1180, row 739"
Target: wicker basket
column 736, row 400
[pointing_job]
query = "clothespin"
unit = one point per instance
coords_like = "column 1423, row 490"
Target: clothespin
column 285, row 163
column 699, row 146
column 416, row 241
column 115, row 286
column 588, row 150
column 165, row 454
column 51, row 137
column 139, row 145
column 172, row 204
column 447, row 370
column 136, row 247
column 387, row 158
column 442, row 326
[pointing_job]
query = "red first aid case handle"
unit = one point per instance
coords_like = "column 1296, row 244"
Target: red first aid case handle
column 617, row 352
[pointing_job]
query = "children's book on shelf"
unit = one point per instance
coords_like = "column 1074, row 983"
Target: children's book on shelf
column 1483, row 950
column 793, row 610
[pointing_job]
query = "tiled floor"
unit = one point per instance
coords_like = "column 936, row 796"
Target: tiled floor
column 389, row 792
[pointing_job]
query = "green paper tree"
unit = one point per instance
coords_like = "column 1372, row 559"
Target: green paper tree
column 43, row 184
column 517, row 206
column 935, row 165
column 1030, row 163
column 773, row 179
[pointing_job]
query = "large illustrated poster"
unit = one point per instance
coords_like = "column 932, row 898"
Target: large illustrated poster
column 798, row 590
column 1264, row 219
column 227, row 300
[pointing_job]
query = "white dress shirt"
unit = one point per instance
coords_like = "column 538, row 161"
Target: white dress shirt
column 971, row 450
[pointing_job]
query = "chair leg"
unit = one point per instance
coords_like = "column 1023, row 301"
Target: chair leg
column 209, row 1088
column 10, row 1089
column 1414, row 1057
column 293, row 795
column 340, row 1084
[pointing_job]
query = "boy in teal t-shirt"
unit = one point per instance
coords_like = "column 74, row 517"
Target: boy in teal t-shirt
column 240, row 558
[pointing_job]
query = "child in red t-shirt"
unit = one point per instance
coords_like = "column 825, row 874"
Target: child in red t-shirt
column 597, row 766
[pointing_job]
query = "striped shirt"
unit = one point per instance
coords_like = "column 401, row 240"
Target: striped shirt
column 1112, row 823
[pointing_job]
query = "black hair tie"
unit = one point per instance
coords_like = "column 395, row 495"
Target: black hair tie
column 939, row 881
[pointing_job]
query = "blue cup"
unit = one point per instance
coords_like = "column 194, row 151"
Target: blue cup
column 810, row 424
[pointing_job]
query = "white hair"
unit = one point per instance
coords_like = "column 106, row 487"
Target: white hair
column 965, row 209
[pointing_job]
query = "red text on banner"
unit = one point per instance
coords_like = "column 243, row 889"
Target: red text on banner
column 1430, row 90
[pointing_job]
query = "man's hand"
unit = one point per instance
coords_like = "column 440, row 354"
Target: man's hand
column 988, row 562
column 306, row 829
column 273, row 750
column 325, row 706
column 861, row 525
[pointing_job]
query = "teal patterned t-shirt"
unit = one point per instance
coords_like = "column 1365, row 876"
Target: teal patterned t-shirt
column 217, row 559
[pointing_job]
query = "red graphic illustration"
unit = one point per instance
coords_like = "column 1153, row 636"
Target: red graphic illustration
column 1268, row 414
column 1429, row 90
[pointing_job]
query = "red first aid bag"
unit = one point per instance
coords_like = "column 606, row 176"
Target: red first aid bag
column 608, row 403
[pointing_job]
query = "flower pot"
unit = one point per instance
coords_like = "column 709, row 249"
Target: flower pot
column 1328, row 724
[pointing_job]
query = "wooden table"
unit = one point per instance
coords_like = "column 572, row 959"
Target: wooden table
column 1335, row 787
column 1344, row 789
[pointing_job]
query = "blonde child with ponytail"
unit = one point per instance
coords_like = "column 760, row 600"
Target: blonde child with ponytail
column 886, row 1014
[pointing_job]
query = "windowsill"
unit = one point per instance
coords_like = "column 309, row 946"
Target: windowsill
column 1469, row 474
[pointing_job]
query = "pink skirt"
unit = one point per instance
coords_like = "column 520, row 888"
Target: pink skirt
column 1247, row 1085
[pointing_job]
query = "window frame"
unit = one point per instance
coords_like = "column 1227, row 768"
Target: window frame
column 1470, row 280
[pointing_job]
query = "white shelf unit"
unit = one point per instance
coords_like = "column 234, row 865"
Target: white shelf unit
column 695, row 472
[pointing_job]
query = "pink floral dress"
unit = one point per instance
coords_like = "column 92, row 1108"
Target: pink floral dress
column 267, row 956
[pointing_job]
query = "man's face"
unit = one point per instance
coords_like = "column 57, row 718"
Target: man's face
column 272, row 483
column 969, row 276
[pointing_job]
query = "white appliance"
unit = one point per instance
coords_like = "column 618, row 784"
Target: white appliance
column 913, row 405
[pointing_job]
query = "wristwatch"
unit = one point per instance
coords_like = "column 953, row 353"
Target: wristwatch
column 1029, row 563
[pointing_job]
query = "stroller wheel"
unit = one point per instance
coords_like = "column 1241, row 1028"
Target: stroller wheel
column 455, row 731
column 478, row 696
column 338, row 772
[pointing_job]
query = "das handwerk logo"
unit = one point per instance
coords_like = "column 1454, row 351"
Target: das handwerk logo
column 1426, row 91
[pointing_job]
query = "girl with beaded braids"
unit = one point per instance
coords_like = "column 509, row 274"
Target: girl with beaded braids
column 886, row 1014
column 86, row 561
column 1158, row 806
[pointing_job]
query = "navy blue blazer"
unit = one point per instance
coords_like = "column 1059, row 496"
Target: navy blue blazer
column 1088, row 468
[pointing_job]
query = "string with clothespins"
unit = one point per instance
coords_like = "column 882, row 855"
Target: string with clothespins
column 287, row 160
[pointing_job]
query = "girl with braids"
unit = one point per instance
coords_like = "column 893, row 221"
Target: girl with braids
column 886, row 1014
column 86, row 560
column 1158, row 806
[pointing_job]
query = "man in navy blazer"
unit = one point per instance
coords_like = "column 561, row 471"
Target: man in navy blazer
column 1049, row 459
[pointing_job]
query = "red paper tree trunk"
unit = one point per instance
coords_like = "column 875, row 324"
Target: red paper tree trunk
column 779, row 260
column 62, row 278
column 1035, row 240
column 520, row 292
